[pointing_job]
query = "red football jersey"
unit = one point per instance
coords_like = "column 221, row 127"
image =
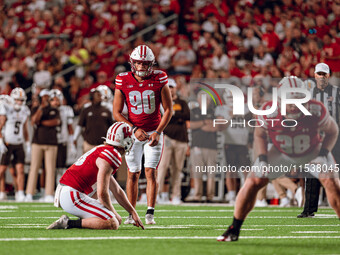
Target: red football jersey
column 143, row 99
column 82, row 175
column 301, row 139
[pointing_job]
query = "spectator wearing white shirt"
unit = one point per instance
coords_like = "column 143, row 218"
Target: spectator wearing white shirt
column 261, row 58
column 220, row 60
column 185, row 58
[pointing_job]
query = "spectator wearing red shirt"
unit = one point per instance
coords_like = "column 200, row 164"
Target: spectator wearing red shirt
column 331, row 54
column 271, row 40
column 219, row 9
column 321, row 26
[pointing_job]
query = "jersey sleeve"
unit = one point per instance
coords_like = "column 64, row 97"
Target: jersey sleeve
column 69, row 114
column 3, row 109
column 119, row 81
column 163, row 78
column 111, row 157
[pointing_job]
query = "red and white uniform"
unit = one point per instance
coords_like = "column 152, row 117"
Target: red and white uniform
column 143, row 101
column 79, row 183
column 294, row 146
column 300, row 140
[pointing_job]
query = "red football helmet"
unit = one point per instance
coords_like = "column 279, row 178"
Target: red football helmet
column 142, row 54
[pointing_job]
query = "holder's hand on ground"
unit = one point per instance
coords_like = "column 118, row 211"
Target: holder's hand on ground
column 138, row 222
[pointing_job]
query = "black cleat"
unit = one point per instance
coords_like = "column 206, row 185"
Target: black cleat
column 230, row 235
column 306, row 215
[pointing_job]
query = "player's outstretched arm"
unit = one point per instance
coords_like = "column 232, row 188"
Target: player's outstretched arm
column 122, row 199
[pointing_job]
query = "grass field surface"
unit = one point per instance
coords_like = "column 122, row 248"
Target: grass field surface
column 180, row 230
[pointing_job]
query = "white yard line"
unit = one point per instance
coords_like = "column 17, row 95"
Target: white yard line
column 188, row 217
column 157, row 237
column 8, row 207
column 229, row 217
column 314, row 232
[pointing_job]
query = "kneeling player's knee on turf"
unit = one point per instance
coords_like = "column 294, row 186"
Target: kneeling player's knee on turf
column 113, row 224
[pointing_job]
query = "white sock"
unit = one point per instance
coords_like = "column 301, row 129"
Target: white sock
column 152, row 208
column 232, row 194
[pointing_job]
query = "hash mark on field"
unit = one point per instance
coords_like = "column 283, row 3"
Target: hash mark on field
column 314, row 232
column 8, row 207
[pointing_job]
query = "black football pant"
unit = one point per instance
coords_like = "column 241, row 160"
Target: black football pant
column 312, row 190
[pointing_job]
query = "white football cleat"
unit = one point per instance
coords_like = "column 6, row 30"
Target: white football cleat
column 20, row 196
column 176, row 201
column 149, row 220
column 3, row 196
column 129, row 220
column 29, row 198
column 285, row 202
column 61, row 223
column 49, row 199
column 261, row 203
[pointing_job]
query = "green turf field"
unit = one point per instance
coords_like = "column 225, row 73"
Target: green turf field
column 179, row 230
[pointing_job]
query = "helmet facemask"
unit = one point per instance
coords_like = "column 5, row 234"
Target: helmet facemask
column 142, row 55
column 18, row 94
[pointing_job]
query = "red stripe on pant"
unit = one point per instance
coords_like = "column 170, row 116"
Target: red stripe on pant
column 94, row 207
column 84, row 209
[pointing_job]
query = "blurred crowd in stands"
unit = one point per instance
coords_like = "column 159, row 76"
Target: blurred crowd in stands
column 213, row 39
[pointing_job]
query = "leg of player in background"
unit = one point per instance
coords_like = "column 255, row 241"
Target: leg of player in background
column 231, row 183
column 14, row 177
column 151, row 192
column 245, row 202
column 3, row 195
column 20, row 196
column 132, row 187
column 132, row 192
column 332, row 188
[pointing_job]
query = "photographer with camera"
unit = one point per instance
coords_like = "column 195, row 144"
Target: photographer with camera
column 45, row 119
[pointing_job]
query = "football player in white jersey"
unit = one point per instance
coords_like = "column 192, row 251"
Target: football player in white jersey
column 64, row 131
column 13, row 135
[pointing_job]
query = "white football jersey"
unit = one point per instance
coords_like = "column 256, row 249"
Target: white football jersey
column 13, row 129
column 66, row 117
